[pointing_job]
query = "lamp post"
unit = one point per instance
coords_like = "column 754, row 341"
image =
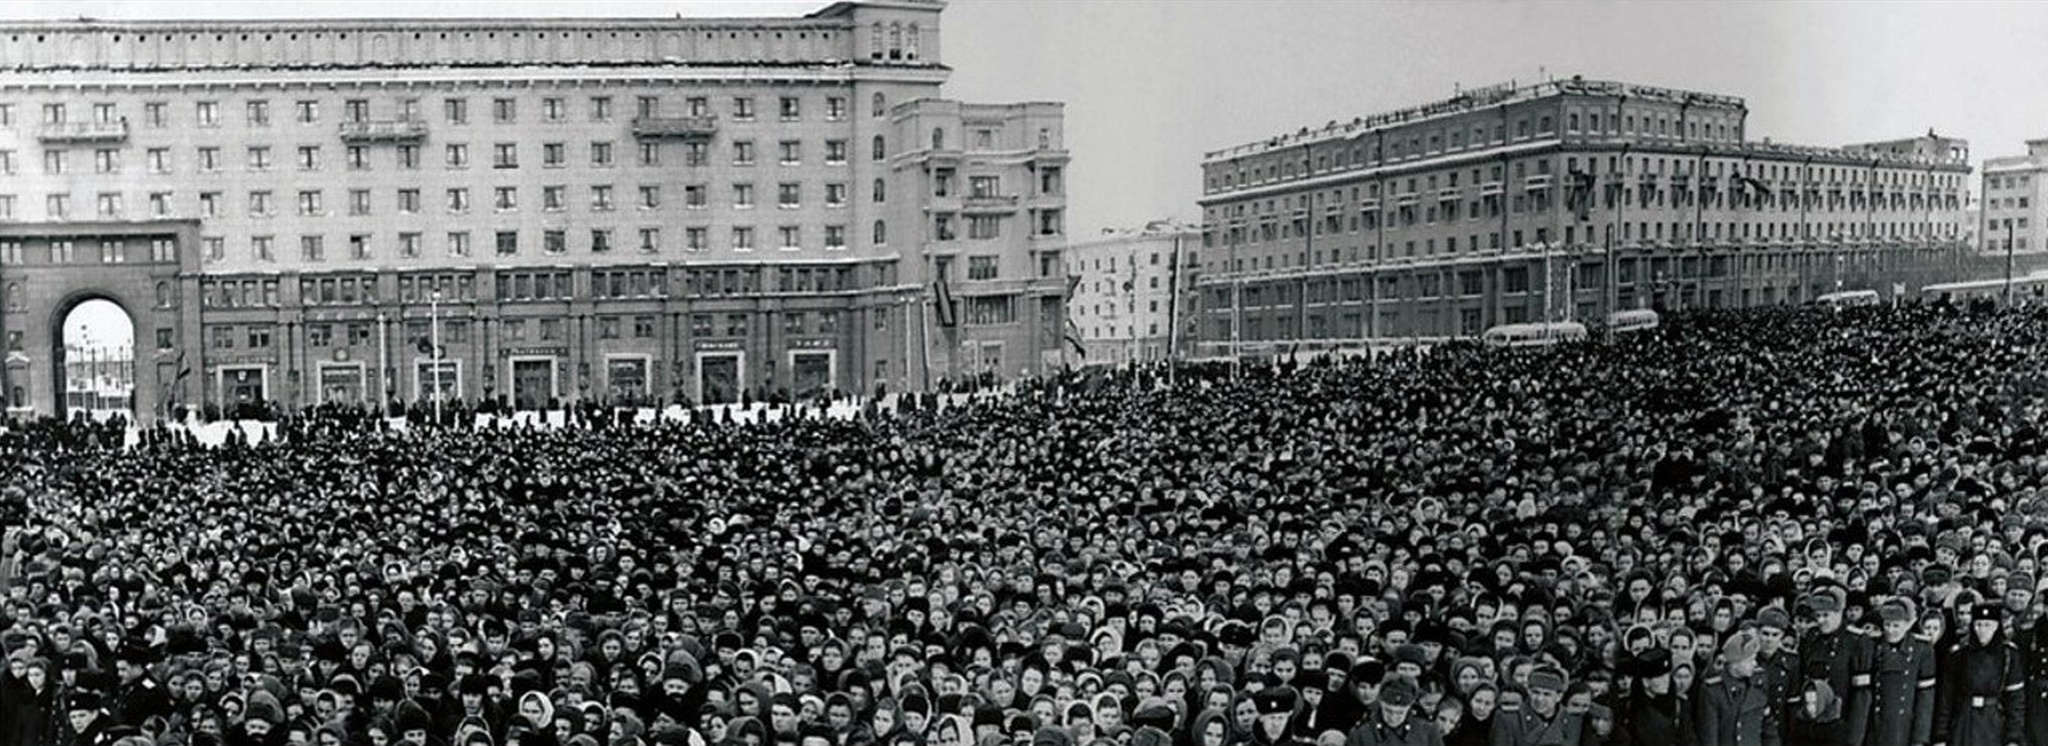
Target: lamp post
column 434, row 334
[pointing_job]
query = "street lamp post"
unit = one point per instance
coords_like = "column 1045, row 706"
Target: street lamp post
column 434, row 332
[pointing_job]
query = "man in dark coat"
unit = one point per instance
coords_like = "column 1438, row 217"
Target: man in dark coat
column 138, row 697
column 1841, row 659
column 86, row 722
column 1983, row 700
column 1902, row 713
column 1777, row 667
column 1734, row 709
column 1652, row 714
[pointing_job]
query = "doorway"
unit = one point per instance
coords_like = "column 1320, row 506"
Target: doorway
column 96, row 362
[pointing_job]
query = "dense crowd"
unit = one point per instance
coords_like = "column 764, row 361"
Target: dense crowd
column 1784, row 526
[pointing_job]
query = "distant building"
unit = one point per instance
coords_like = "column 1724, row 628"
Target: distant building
column 2013, row 208
column 1569, row 199
column 1123, row 305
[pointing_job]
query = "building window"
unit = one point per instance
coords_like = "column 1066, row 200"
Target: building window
column 457, row 155
column 696, row 239
column 835, row 195
column 505, row 155
column 507, row 243
column 600, row 240
column 409, row 245
column 835, row 152
column 601, row 198
column 264, row 248
column 209, row 113
column 881, row 149
column 313, row 248
column 881, row 191
column 504, row 110
column 792, row 109
column 650, row 197
column 792, row 152
column 359, row 247
column 789, row 195
column 409, row 201
column 152, row 114
column 743, row 238
column 743, row 108
column 984, row 227
column 555, row 242
column 981, row 268
column 259, row 158
column 792, row 237
column 458, row 200
column 650, row 154
column 881, row 233
column 694, row 196
column 259, row 113
column 310, row 203
column 506, row 198
column 742, row 196
column 551, row 109
column 358, row 202
column 650, row 240
column 835, row 237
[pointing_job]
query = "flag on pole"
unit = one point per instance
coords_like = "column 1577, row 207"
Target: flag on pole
column 943, row 298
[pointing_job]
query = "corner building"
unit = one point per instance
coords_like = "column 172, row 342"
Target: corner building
column 643, row 210
column 1569, row 199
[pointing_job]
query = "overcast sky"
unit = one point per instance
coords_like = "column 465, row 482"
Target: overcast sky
column 1150, row 85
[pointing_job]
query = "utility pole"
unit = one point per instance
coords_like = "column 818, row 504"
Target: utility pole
column 434, row 335
column 2008, row 261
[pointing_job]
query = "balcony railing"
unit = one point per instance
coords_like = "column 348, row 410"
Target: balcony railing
column 688, row 128
column 83, row 132
column 398, row 130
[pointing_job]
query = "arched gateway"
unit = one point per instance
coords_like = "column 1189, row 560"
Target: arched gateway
column 149, row 269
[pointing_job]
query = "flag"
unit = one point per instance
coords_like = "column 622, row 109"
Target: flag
column 942, row 295
column 1073, row 337
column 1579, row 200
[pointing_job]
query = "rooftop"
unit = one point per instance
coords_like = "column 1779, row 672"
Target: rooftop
column 1477, row 98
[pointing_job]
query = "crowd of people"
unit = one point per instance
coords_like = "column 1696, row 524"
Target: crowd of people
column 1781, row 526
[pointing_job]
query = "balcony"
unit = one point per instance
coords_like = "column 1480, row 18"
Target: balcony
column 84, row 132
column 397, row 130
column 1538, row 181
column 684, row 128
column 989, row 203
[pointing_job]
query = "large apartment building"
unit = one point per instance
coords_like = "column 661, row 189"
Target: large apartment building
column 637, row 209
column 1568, row 199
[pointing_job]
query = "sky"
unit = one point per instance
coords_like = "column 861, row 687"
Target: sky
column 1150, row 85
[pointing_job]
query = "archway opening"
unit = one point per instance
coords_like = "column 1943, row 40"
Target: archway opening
column 97, row 362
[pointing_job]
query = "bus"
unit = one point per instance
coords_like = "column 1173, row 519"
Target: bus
column 2031, row 288
column 1534, row 335
column 1849, row 299
column 1636, row 320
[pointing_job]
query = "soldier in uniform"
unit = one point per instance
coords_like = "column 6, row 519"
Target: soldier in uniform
column 85, row 722
column 138, row 697
column 2034, row 651
column 1777, row 666
column 1902, row 707
column 1541, row 721
column 1982, row 701
column 1841, row 659
column 1396, row 723
column 1734, row 708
